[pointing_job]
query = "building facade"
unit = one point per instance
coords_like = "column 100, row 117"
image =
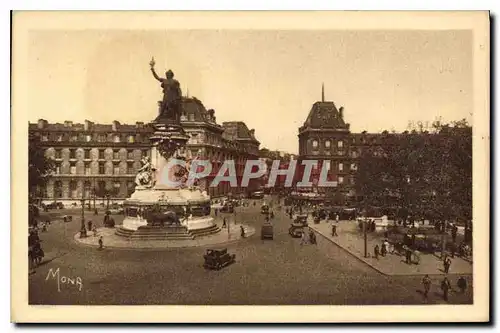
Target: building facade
column 98, row 160
column 326, row 137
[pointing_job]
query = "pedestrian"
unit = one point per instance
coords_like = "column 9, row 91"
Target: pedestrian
column 383, row 249
column 242, row 231
column 312, row 236
column 454, row 232
column 445, row 287
column 376, row 251
column 89, row 225
column 462, row 284
column 224, row 224
column 334, row 230
column 408, row 255
column 453, row 249
column 337, row 218
column 447, row 264
column 94, row 230
column 426, row 281
column 303, row 238
column 101, row 243
column 216, row 211
column 96, row 212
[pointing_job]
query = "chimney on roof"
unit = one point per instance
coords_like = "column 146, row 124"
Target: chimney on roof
column 252, row 131
column 68, row 123
column 42, row 123
column 87, row 125
column 341, row 112
column 115, row 125
column 139, row 124
column 322, row 92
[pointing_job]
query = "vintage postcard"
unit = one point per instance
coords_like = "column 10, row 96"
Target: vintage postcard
column 250, row 167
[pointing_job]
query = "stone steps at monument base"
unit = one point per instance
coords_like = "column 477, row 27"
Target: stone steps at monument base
column 162, row 234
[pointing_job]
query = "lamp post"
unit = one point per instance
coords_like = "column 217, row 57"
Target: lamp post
column 83, row 229
column 107, row 201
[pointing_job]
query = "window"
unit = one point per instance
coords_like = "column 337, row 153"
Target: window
column 341, row 180
column 87, row 169
column 116, row 138
column 327, row 165
column 130, row 168
column 58, row 153
column 101, row 154
column 59, row 137
column 58, row 169
column 116, row 168
column 73, row 189
column 86, row 153
column 45, row 137
column 101, row 138
column 87, row 188
column 354, row 154
column 72, row 153
column 72, row 168
column 138, row 138
column 116, row 154
column 131, row 139
column 58, row 189
column 353, row 166
column 101, row 186
column 341, row 166
column 73, row 138
column 327, row 144
column 88, row 137
column 340, row 144
column 101, row 168
column 130, row 154
column 315, row 143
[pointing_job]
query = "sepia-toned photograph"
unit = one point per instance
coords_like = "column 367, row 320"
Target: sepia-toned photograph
column 317, row 160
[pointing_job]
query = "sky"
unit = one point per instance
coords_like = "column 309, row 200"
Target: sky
column 268, row 79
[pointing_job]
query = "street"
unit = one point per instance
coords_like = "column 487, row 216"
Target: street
column 266, row 272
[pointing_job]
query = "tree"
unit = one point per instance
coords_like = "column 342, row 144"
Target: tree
column 39, row 166
column 422, row 173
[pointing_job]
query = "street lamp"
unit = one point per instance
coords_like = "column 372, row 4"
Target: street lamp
column 107, row 201
column 83, row 229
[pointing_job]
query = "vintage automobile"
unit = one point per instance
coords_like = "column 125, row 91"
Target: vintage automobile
column 264, row 209
column 216, row 259
column 297, row 227
column 267, row 231
column 55, row 205
column 67, row 218
column 227, row 208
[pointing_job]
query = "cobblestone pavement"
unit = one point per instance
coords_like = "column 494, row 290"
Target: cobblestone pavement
column 350, row 239
column 266, row 272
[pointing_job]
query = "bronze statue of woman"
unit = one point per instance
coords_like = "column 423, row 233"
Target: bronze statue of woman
column 172, row 95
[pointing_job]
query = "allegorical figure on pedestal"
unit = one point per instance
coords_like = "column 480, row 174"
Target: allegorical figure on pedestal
column 145, row 174
column 171, row 105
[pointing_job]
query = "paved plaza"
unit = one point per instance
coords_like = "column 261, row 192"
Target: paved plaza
column 351, row 240
column 266, row 272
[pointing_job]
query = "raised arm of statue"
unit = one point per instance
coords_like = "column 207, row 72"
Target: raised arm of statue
column 152, row 65
column 155, row 75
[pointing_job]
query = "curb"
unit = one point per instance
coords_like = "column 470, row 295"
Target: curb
column 351, row 253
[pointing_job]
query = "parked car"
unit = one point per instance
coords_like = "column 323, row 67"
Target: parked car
column 264, row 209
column 55, row 205
column 267, row 231
column 257, row 195
column 217, row 259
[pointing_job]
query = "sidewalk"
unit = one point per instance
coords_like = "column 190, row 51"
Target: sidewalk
column 111, row 240
column 351, row 240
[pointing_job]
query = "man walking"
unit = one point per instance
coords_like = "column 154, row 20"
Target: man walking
column 376, row 251
column 462, row 284
column 303, row 238
column 447, row 263
column 334, row 230
column 426, row 281
column 445, row 287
